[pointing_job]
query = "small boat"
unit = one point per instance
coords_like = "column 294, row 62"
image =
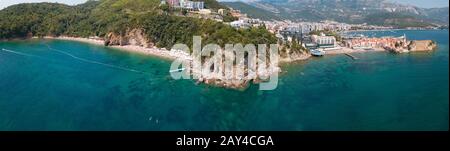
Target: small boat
column 317, row 52
column 177, row 70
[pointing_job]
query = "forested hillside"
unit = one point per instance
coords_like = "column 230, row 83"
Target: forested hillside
column 98, row 18
column 254, row 12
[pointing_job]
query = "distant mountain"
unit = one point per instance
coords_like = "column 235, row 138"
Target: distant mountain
column 349, row 11
column 439, row 15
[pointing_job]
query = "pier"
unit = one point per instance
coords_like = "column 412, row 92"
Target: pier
column 351, row 56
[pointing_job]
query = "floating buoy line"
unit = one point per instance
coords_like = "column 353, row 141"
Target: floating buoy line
column 93, row 62
column 77, row 58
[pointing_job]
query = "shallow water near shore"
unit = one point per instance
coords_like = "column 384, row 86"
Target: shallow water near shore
column 43, row 89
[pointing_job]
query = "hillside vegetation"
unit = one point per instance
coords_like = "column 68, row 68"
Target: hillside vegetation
column 397, row 20
column 252, row 11
column 99, row 18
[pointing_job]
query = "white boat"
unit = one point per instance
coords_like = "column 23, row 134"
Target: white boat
column 177, row 70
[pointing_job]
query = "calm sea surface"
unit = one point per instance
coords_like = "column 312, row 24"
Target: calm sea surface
column 78, row 86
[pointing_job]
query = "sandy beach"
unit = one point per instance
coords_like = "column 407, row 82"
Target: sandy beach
column 172, row 55
column 158, row 52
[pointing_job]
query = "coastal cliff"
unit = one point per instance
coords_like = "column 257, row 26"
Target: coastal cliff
column 412, row 46
column 135, row 37
column 421, row 45
column 292, row 56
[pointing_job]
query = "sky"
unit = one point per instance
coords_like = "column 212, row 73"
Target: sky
column 6, row 3
column 424, row 3
column 420, row 3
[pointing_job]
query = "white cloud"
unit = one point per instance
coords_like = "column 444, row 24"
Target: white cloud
column 6, row 3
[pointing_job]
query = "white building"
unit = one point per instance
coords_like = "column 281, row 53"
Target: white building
column 192, row 5
column 240, row 24
column 324, row 41
column 204, row 11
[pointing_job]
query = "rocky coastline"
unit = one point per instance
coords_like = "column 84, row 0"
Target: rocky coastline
column 134, row 40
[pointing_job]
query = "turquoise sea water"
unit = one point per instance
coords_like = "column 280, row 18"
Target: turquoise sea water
column 87, row 87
